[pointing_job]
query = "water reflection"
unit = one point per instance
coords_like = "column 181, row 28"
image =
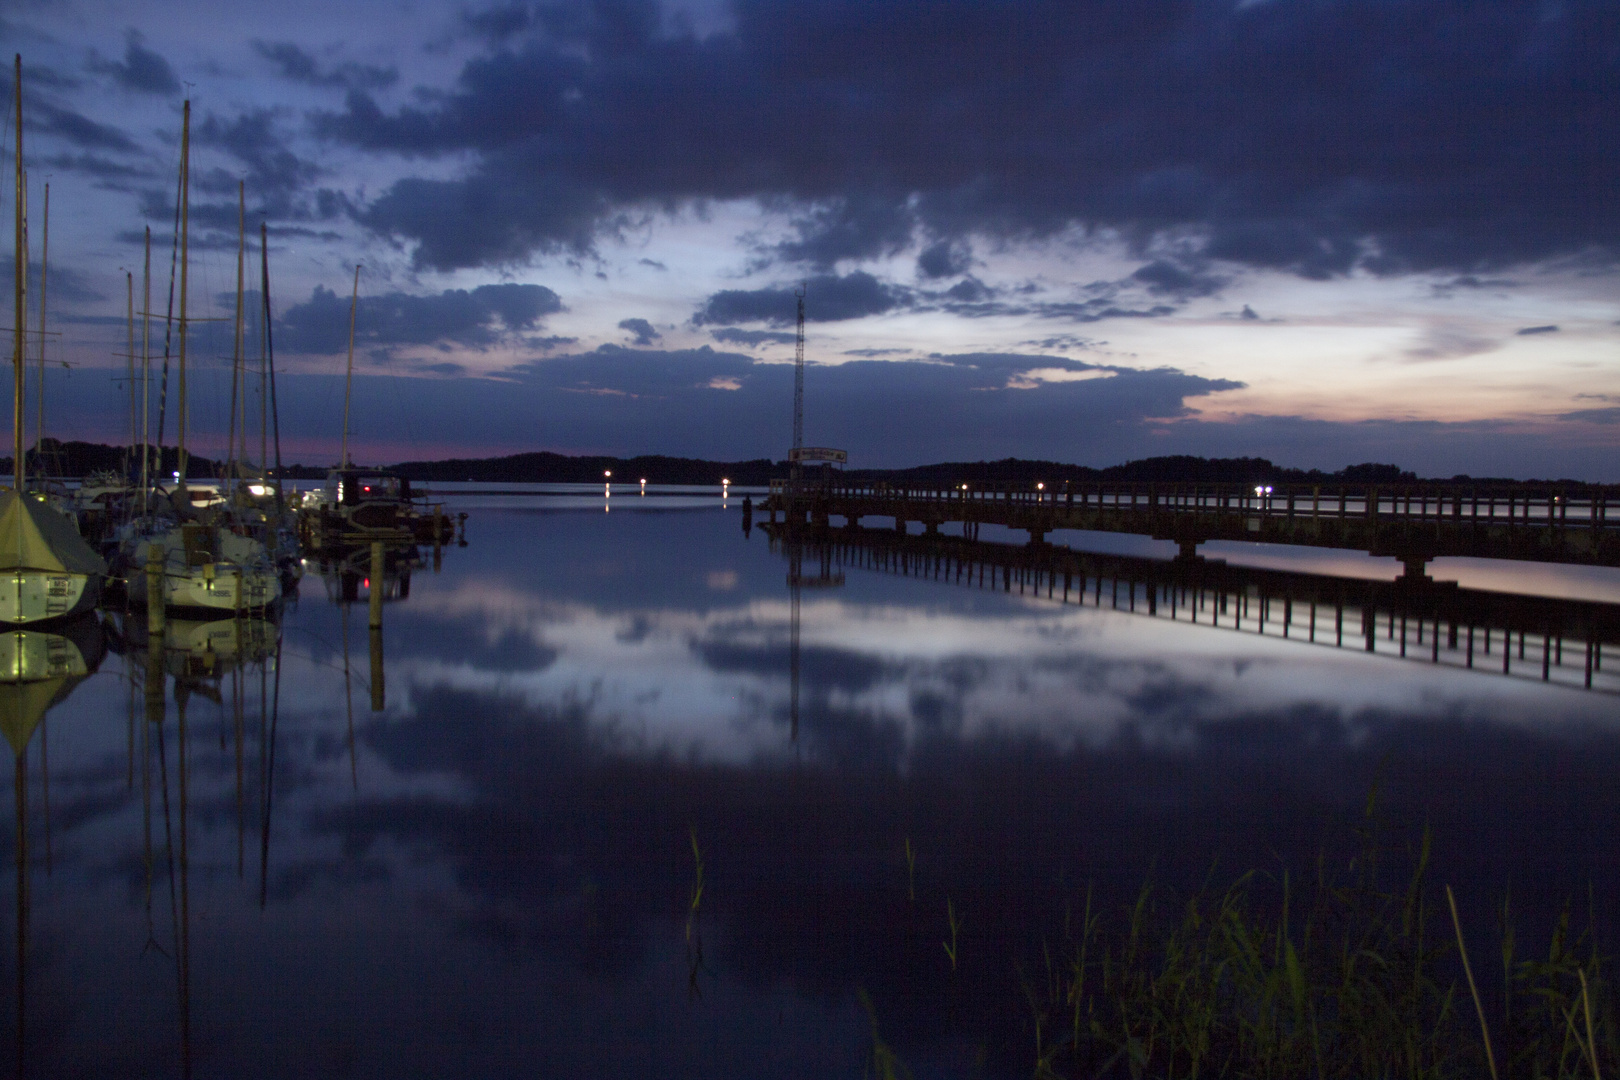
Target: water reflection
column 39, row 668
column 494, row 863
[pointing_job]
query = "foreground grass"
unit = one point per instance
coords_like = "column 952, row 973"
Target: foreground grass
column 1336, row 976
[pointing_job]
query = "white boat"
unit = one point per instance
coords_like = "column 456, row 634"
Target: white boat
column 207, row 568
column 47, row 571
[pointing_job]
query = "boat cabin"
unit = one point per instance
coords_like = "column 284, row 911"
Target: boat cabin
column 352, row 487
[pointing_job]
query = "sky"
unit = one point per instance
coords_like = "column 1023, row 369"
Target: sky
column 1315, row 231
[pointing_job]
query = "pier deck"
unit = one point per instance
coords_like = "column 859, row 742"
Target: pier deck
column 1560, row 523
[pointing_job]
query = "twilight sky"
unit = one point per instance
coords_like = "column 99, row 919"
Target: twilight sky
column 1321, row 231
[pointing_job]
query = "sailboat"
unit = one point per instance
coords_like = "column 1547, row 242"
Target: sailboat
column 47, row 571
column 358, row 507
column 207, row 560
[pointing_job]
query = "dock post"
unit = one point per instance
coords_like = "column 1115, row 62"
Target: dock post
column 154, row 587
column 376, row 597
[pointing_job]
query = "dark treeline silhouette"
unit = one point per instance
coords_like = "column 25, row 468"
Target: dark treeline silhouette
column 74, row 459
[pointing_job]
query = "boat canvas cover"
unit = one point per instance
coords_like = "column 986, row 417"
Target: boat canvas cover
column 35, row 537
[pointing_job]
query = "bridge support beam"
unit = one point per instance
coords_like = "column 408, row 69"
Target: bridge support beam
column 1415, row 572
column 1187, row 551
column 1037, row 537
column 899, row 524
column 931, row 528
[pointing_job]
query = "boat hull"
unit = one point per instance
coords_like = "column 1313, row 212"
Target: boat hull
column 33, row 596
column 240, row 578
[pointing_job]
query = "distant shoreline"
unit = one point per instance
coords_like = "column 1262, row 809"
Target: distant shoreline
column 78, row 459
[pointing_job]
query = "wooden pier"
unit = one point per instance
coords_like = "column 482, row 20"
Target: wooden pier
column 1560, row 523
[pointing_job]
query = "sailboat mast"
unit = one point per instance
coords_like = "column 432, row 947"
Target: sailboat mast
column 270, row 363
column 44, row 263
column 146, row 374
column 264, row 377
column 348, row 381
column 21, row 315
column 185, row 265
column 129, row 356
column 236, row 337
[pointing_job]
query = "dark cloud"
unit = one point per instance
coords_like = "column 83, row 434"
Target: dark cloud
column 275, row 175
column 1311, row 138
column 641, row 331
column 477, row 319
column 827, row 299
column 448, row 368
column 1450, row 342
column 970, row 290
column 1610, row 415
column 77, row 128
column 66, row 284
column 753, row 339
column 102, row 168
column 498, row 22
column 142, row 69
column 1537, row 330
column 1167, row 279
column 654, row 263
column 546, row 344
column 295, row 64
column 860, row 227
column 1248, row 313
column 944, row 258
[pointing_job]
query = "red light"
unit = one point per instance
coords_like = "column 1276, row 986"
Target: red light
column 368, row 583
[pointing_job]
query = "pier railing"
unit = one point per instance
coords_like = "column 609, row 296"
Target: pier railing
column 1555, row 522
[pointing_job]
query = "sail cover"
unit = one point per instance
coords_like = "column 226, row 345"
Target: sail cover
column 35, row 537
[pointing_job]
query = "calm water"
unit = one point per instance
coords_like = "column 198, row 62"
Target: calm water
column 492, row 875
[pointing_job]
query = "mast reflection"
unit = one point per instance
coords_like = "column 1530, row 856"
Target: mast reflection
column 214, row 660
column 38, row 670
column 798, row 581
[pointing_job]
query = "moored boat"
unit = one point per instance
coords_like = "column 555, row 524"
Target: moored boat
column 47, row 571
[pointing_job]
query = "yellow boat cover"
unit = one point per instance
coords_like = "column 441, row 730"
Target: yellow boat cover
column 35, row 537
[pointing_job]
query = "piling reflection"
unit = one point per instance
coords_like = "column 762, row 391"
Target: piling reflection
column 1438, row 622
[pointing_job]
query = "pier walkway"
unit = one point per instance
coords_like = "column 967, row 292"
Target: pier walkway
column 1561, row 523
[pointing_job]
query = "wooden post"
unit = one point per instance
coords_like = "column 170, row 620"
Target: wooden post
column 154, row 587
column 376, row 598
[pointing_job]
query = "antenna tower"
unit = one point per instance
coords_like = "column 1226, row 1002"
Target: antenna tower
column 798, row 388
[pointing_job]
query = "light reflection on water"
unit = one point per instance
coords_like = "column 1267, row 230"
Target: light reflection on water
column 491, row 877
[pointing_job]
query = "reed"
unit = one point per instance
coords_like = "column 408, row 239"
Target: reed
column 1344, row 977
